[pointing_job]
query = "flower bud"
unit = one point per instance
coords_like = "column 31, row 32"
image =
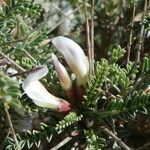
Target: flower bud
column 74, row 56
column 62, row 73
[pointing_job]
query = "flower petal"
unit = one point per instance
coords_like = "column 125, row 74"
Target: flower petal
column 62, row 73
column 36, row 75
column 74, row 56
column 36, row 91
column 40, row 96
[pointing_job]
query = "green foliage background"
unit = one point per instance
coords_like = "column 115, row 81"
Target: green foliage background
column 117, row 94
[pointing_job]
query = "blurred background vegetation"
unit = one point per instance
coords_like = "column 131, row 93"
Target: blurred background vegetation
column 122, row 48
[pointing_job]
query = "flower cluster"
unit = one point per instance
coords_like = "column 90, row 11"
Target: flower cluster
column 78, row 63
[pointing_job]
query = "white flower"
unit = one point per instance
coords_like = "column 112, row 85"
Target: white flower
column 40, row 96
column 62, row 73
column 74, row 56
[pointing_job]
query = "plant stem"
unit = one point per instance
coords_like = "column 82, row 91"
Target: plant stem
column 30, row 56
column 11, row 61
column 118, row 140
column 24, row 72
column 130, row 36
column 92, row 37
column 61, row 21
column 11, row 126
column 88, row 37
column 140, row 47
column 42, row 24
column 13, row 42
column 59, row 9
column 147, row 145
column 63, row 142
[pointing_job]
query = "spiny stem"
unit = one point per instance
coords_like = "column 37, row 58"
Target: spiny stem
column 92, row 37
column 42, row 24
column 66, row 140
column 88, row 36
column 13, row 42
column 30, row 56
column 11, row 126
column 61, row 21
column 140, row 47
column 118, row 140
column 63, row 142
column 25, row 72
column 11, row 61
column 59, row 9
column 130, row 36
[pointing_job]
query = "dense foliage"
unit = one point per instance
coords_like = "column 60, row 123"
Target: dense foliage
column 114, row 113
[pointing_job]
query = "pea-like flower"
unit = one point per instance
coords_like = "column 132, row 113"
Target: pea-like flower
column 38, row 93
column 62, row 73
column 74, row 56
column 79, row 65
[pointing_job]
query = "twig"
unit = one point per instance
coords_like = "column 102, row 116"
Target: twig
column 12, row 42
column 25, row 72
column 41, row 25
column 59, row 10
column 30, row 56
column 118, row 140
column 147, row 145
column 21, row 40
column 11, row 61
column 88, row 38
column 11, row 127
column 140, row 47
column 63, row 142
column 61, row 21
column 92, row 37
column 130, row 36
column 47, row 19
